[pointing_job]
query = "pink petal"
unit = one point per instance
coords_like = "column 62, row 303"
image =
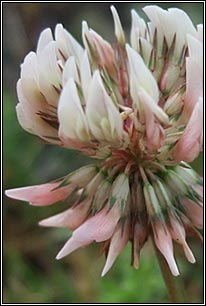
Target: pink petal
column 163, row 242
column 70, row 246
column 194, row 87
column 117, row 244
column 105, row 52
column 40, row 195
column 71, row 218
column 194, row 212
column 177, row 232
column 139, row 239
column 154, row 131
column 100, row 227
column 190, row 143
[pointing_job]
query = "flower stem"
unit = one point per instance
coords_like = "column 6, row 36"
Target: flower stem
column 174, row 284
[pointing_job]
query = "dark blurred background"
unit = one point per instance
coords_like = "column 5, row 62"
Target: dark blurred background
column 31, row 273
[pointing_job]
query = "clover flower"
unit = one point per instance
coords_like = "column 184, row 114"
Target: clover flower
column 137, row 109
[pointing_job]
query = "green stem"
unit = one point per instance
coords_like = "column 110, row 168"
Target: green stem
column 174, row 284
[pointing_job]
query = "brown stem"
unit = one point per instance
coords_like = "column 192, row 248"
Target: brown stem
column 174, row 284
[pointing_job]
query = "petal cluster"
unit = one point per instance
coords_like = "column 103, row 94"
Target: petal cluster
column 136, row 107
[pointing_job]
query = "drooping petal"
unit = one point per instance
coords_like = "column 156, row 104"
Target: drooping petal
column 82, row 176
column 194, row 212
column 177, row 232
column 117, row 244
column 71, row 218
column 140, row 236
column 40, row 195
column 70, row 246
column 100, row 227
column 163, row 242
column 190, row 143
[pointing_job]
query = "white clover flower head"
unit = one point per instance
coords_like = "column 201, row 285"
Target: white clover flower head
column 137, row 109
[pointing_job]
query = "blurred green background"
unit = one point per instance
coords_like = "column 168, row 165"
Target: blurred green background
column 31, row 273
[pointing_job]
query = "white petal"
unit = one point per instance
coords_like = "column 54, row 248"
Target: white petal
column 49, row 73
column 139, row 29
column 103, row 117
column 157, row 110
column 70, row 113
column 170, row 23
column 119, row 33
column 70, row 71
column 85, row 74
column 29, row 120
column 44, row 39
column 140, row 75
column 86, row 37
column 194, row 86
column 200, row 32
column 29, row 68
column 195, row 50
column 155, row 25
column 67, row 44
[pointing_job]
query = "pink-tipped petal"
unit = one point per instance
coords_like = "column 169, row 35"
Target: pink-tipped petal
column 100, row 227
column 190, row 143
column 105, row 52
column 188, row 253
column 39, row 195
column 71, row 218
column 163, row 242
column 139, row 239
column 117, row 244
column 194, row 212
column 70, row 246
column 154, row 131
column 194, row 87
column 177, row 233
